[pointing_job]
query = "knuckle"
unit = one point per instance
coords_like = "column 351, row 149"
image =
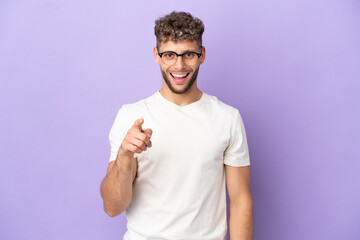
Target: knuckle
column 143, row 137
column 132, row 130
column 133, row 148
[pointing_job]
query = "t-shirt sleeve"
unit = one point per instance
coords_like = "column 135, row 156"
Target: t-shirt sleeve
column 237, row 153
column 118, row 132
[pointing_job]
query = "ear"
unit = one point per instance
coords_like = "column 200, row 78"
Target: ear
column 156, row 56
column 202, row 58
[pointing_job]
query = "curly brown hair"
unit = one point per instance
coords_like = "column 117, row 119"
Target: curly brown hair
column 179, row 26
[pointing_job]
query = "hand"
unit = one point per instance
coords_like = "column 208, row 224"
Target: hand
column 136, row 140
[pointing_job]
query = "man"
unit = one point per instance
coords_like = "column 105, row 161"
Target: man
column 172, row 152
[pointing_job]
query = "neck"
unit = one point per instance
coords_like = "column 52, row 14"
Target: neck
column 192, row 95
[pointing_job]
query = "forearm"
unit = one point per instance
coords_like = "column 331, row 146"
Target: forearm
column 241, row 220
column 116, row 188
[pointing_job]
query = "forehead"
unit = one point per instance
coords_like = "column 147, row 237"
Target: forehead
column 178, row 46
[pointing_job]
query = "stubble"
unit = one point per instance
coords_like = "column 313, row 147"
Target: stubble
column 188, row 86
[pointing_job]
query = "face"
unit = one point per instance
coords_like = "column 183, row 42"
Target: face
column 179, row 77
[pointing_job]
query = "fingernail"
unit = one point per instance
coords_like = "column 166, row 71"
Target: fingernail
column 149, row 134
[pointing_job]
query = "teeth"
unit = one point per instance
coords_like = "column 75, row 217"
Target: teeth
column 179, row 76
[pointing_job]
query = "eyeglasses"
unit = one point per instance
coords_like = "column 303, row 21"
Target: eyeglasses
column 189, row 58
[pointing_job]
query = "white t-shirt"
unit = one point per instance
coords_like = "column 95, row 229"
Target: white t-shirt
column 179, row 191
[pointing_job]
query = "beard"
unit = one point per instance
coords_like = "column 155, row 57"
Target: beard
column 187, row 87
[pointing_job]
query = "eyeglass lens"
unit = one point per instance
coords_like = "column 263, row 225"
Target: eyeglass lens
column 170, row 58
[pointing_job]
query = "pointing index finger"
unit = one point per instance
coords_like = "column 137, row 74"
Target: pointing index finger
column 138, row 123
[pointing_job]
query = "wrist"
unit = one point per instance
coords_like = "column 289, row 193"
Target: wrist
column 124, row 160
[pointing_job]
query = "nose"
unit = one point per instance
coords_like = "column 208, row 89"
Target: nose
column 179, row 63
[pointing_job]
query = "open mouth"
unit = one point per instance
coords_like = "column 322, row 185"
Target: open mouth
column 179, row 77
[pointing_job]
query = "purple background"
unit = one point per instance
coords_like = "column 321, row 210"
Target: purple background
column 291, row 67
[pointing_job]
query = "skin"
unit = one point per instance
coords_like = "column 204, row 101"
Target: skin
column 116, row 188
column 180, row 93
column 241, row 224
column 237, row 178
column 187, row 87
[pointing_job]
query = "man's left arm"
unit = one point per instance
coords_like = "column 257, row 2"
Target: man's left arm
column 241, row 205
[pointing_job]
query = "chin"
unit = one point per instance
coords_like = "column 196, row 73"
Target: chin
column 185, row 86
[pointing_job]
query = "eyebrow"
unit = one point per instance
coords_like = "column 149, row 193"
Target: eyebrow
column 182, row 52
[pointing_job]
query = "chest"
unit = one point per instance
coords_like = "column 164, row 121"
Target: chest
column 184, row 140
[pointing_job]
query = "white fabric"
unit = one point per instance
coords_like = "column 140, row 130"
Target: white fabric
column 179, row 191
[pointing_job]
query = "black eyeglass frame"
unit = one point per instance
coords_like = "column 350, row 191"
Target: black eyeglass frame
column 177, row 55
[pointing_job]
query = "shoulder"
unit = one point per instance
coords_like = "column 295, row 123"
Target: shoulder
column 129, row 112
column 223, row 108
column 139, row 105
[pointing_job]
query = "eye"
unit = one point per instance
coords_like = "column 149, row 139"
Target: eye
column 189, row 55
column 169, row 55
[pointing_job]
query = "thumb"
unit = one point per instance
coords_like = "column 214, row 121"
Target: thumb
column 138, row 123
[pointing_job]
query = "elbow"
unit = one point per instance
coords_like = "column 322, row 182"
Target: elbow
column 114, row 210
column 112, row 213
column 115, row 207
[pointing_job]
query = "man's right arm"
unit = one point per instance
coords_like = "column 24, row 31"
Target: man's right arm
column 116, row 187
